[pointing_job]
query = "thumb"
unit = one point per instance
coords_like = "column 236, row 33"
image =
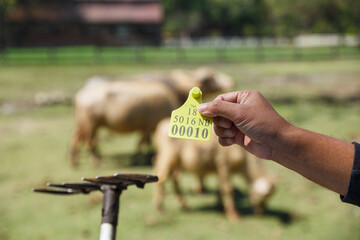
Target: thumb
column 218, row 108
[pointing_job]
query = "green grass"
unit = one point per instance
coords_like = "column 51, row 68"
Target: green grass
column 18, row 82
column 105, row 55
column 34, row 145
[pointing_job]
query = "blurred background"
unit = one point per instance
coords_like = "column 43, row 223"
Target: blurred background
column 304, row 56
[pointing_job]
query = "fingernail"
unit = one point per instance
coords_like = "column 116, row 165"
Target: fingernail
column 202, row 107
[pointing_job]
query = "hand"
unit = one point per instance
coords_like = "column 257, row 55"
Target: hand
column 245, row 118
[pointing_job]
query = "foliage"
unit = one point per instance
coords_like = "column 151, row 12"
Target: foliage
column 318, row 16
column 247, row 17
column 215, row 17
column 261, row 17
column 5, row 5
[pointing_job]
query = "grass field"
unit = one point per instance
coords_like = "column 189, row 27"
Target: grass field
column 34, row 145
column 106, row 55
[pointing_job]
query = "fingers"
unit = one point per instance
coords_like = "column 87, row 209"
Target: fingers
column 226, row 105
column 230, row 136
column 237, row 97
column 225, row 132
column 226, row 141
column 228, row 97
column 218, row 108
column 222, row 122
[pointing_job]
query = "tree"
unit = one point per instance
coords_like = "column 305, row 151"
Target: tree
column 5, row 6
column 317, row 16
column 183, row 17
column 219, row 17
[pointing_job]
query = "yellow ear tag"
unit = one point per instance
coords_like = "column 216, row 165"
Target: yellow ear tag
column 187, row 123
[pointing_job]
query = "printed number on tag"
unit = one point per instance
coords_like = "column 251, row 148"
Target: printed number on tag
column 187, row 123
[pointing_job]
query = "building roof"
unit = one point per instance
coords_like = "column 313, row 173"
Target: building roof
column 109, row 11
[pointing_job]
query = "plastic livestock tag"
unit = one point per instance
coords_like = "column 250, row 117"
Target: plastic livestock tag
column 187, row 123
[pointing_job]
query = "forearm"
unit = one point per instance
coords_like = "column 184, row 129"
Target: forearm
column 247, row 119
column 322, row 159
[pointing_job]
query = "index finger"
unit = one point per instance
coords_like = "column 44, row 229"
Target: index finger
column 228, row 97
column 234, row 97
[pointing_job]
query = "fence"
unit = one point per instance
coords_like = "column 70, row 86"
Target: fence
column 173, row 54
column 303, row 40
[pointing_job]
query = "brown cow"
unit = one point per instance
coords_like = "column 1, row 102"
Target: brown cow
column 136, row 105
column 202, row 158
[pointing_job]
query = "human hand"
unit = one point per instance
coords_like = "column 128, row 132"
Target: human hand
column 245, row 118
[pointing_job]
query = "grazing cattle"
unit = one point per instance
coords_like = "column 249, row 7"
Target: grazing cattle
column 202, row 158
column 137, row 104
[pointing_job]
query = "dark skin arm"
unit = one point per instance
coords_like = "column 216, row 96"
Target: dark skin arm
column 246, row 118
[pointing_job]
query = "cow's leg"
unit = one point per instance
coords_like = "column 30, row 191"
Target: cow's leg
column 200, row 187
column 144, row 141
column 95, row 156
column 74, row 152
column 162, row 172
column 179, row 194
column 162, row 168
column 226, row 191
column 159, row 196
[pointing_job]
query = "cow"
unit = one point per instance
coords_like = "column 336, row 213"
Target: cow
column 138, row 104
column 203, row 158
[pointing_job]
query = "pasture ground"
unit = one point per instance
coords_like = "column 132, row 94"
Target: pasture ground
column 322, row 96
